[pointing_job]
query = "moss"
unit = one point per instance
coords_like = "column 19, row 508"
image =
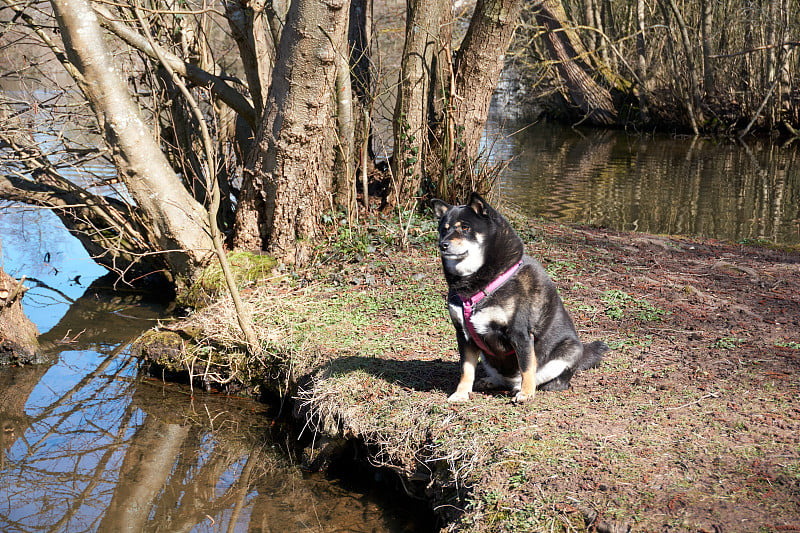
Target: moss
column 248, row 269
column 161, row 347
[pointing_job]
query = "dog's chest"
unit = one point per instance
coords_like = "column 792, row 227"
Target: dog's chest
column 485, row 320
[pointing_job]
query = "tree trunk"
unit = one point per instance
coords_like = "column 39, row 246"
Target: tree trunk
column 410, row 124
column 641, row 60
column 250, row 29
column 177, row 223
column 288, row 177
column 344, row 194
column 18, row 334
column 591, row 98
column 480, row 59
column 359, row 38
column 706, row 32
column 693, row 98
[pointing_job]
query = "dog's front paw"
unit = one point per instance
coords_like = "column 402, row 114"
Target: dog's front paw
column 459, row 396
column 521, row 397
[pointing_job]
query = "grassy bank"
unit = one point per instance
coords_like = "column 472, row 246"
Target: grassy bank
column 691, row 422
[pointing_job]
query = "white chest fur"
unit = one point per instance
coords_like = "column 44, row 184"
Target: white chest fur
column 482, row 320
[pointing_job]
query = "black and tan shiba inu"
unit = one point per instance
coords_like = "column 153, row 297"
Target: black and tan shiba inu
column 505, row 307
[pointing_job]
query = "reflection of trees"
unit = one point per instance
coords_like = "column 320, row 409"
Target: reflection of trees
column 659, row 185
column 171, row 470
column 102, row 456
column 16, row 384
column 169, row 477
column 47, row 461
column 101, row 317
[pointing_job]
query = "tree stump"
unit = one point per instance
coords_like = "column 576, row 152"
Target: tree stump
column 18, row 344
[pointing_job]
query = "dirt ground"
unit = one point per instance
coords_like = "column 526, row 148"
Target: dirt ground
column 691, row 423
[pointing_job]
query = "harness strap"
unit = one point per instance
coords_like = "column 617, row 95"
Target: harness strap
column 469, row 303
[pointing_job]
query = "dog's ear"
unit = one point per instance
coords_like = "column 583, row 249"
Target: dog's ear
column 440, row 208
column 479, row 205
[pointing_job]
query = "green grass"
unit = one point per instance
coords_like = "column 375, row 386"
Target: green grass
column 619, row 304
column 728, row 343
column 792, row 345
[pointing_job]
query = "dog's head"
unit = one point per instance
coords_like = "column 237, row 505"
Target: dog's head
column 464, row 231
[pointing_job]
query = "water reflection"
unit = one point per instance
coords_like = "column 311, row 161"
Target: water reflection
column 93, row 450
column 655, row 184
column 36, row 245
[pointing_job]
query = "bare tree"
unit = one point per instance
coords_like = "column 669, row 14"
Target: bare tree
column 444, row 96
column 274, row 131
column 479, row 61
column 415, row 89
column 176, row 222
column 698, row 66
column 593, row 99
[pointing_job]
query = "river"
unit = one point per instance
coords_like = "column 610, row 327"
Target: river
column 655, row 183
column 90, row 444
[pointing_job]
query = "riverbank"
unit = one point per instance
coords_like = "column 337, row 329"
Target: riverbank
column 690, row 423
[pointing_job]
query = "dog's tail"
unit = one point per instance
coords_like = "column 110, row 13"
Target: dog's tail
column 592, row 354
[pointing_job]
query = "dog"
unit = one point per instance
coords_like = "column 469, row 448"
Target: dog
column 504, row 307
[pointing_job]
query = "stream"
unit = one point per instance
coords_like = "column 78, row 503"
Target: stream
column 658, row 183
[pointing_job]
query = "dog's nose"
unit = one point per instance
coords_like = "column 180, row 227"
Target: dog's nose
column 443, row 245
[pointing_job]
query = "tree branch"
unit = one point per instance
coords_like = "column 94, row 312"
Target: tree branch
column 242, row 315
column 225, row 92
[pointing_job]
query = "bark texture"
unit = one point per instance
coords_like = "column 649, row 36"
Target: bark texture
column 17, row 333
column 422, row 44
column 289, row 175
column 177, row 223
column 480, row 60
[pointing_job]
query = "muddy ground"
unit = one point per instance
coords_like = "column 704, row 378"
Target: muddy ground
column 692, row 422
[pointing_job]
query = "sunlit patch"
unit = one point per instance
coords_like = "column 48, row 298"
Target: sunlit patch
column 482, row 320
column 465, row 257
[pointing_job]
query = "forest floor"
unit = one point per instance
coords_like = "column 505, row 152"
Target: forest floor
column 691, row 422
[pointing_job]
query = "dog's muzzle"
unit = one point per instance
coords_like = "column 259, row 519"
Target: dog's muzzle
column 451, row 252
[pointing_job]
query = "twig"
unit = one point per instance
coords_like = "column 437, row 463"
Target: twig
column 242, row 315
column 700, row 399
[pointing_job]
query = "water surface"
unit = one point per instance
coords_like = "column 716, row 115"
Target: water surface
column 652, row 183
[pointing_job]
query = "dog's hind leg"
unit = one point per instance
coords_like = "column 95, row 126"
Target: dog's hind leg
column 558, row 384
column 556, row 373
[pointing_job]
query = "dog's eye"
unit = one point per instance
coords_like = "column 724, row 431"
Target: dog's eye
column 464, row 227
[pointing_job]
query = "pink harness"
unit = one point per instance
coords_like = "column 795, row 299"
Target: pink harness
column 469, row 303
